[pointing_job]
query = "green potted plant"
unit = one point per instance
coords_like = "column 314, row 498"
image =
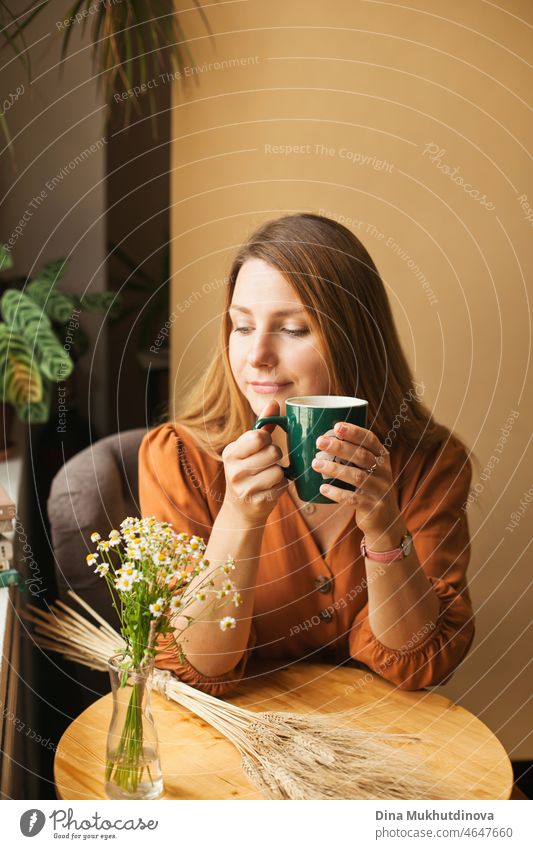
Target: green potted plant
column 37, row 344
column 134, row 42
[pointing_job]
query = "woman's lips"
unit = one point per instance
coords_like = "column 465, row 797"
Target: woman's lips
column 267, row 388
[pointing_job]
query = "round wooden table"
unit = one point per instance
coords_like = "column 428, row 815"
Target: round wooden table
column 198, row 763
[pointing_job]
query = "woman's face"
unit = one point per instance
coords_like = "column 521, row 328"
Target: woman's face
column 271, row 340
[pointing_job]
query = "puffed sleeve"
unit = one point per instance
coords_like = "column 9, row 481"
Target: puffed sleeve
column 174, row 477
column 172, row 481
column 167, row 658
column 432, row 501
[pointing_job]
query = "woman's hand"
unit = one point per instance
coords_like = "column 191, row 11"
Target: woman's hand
column 254, row 478
column 375, row 499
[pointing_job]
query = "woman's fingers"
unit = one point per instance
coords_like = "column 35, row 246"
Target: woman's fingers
column 247, row 444
column 268, row 456
column 268, row 479
column 355, row 454
column 359, row 436
column 348, row 474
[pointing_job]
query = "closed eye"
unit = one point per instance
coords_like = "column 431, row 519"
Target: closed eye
column 288, row 330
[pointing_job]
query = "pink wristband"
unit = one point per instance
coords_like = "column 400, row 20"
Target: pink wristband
column 389, row 556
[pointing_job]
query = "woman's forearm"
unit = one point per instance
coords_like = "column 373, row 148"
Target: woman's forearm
column 209, row 650
column 402, row 604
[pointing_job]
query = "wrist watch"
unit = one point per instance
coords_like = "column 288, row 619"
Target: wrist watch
column 404, row 550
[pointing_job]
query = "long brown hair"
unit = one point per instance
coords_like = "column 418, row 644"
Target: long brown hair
column 348, row 308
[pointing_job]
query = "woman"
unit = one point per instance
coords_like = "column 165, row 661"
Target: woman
column 306, row 313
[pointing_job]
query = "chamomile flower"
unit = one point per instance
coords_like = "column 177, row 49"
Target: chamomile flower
column 124, row 583
column 129, row 571
column 161, row 558
column 166, row 561
column 229, row 565
column 156, row 609
column 129, row 522
column 176, row 603
column 200, row 595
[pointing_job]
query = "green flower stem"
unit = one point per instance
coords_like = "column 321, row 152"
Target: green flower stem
column 127, row 763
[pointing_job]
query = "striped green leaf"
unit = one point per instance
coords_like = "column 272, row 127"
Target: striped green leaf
column 20, row 378
column 57, row 306
column 30, row 321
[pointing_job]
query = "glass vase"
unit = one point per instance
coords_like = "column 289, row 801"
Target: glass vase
column 133, row 769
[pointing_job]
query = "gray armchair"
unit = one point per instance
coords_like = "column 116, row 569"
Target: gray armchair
column 94, row 491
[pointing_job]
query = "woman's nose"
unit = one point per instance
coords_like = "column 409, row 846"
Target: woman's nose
column 263, row 350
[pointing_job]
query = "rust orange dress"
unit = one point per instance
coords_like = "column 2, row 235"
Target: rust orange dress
column 307, row 606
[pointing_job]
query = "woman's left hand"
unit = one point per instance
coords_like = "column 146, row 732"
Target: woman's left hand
column 375, row 499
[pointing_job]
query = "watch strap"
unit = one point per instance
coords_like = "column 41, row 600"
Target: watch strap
column 387, row 556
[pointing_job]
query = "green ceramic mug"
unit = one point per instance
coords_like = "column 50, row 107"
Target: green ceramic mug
column 307, row 418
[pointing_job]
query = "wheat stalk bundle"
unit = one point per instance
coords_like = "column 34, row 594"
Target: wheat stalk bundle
column 285, row 755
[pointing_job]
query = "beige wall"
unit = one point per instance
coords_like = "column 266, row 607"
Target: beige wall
column 380, row 83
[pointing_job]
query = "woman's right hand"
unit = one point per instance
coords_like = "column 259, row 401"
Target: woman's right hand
column 254, row 478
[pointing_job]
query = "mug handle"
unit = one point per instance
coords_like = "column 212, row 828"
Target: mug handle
column 289, row 471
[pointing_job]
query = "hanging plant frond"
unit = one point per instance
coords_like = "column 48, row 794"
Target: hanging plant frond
column 12, row 29
column 134, row 42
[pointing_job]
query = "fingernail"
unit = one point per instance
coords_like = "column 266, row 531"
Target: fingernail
column 318, row 464
column 340, row 429
column 323, row 441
